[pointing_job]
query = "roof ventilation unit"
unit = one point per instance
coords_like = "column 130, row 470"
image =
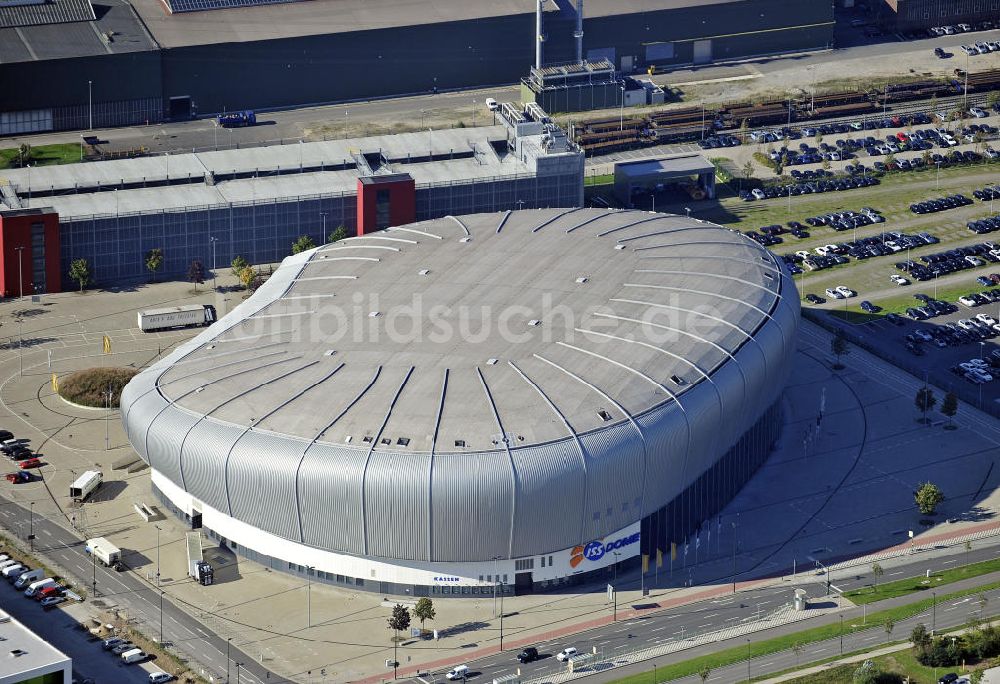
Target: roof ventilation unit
column 467, row 238
column 605, row 416
column 424, row 271
column 619, row 246
column 534, row 322
column 581, row 280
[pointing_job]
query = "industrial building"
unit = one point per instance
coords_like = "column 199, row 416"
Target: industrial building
column 65, row 66
column 29, row 659
column 517, row 398
column 254, row 202
column 905, row 16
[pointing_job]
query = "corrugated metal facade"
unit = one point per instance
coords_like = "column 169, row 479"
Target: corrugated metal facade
column 373, row 500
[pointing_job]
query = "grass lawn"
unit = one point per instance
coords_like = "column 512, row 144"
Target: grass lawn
column 852, row 313
column 43, row 155
column 914, row 584
column 782, row 643
column 605, row 179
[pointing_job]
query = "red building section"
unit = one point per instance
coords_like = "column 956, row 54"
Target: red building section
column 29, row 251
column 385, row 201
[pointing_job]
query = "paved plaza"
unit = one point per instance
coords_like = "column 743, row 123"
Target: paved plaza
column 839, row 484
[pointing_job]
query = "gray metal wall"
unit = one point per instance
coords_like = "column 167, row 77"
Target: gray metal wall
column 344, row 499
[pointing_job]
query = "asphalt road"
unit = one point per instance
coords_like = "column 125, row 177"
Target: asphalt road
column 139, row 598
column 727, row 611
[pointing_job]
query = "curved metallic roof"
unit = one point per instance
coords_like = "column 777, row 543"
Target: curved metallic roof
column 577, row 366
column 702, row 289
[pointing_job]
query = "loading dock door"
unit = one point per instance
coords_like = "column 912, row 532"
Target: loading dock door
column 702, row 51
column 180, row 108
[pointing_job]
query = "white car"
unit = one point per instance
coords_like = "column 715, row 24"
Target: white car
column 846, row 291
column 758, row 193
column 899, row 280
column 974, row 378
column 982, row 375
column 491, row 104
column 968, row 301
column 986, row 318
column 458, row 672
column 977, row 112
column 833, row 294
column 803, row 253
column 966, row 324
column 160, row 677
column 566, row 654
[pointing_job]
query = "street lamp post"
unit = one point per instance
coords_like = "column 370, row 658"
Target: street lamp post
column 748, row 660
column 229, row 640
column 309, row 619
column 90, row 105
column 933, row 612
column 31, row 527
column 158, row 579
column 213, row 240
column 621, row 112
column 495, row 580
column 501, row 618
column 238, row 666
column 841, row 635
column 323, row 214
column 734, row 525
column 688, row 210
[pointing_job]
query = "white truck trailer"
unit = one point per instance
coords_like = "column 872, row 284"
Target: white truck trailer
column 189, row 316
column 104, row 551
column 85, row 485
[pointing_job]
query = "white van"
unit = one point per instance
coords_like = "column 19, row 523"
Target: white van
column 38, row 585
column 13, row 570
column 133, row 656
column 491, row 104
column 26, row 578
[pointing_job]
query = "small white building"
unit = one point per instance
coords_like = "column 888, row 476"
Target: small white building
column 27, row 657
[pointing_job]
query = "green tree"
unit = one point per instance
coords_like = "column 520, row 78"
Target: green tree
column 79, row 271
column 424, row 610
column 877, row 572
column 890, row 160
column 976, row 676
column 921, row 638
column 825, row 164
column 239, row 263
column 744, row 129
column 925, row 401
column 25, row 154
column 928, row 496
column 196, row 273
column 867, row 673
column 888, row 626
column 949, row 407
column 247, row 276
column 338, row 234
column 705, row 672
column 933, row 105
column 154, row 260
column 818, row 139
column 302, row 244
column 398, row 622
column 748, row 170
column 839, row 347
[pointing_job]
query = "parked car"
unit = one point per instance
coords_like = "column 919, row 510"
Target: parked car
column 160, row 677
column 52, row 601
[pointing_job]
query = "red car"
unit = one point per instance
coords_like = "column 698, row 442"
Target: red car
column 19, row 477
column 902, row 137
column 31, row 463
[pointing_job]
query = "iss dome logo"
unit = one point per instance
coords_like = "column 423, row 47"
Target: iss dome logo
column 597, row 549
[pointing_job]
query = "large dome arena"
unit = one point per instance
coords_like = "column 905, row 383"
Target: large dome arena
column 525, row 397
